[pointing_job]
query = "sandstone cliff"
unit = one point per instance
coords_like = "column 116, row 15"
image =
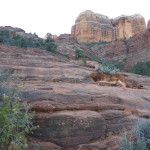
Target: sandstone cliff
column 128, row 26
column 92, row 27
column 148, row 24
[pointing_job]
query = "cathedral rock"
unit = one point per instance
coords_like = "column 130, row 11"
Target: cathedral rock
column 93, row 27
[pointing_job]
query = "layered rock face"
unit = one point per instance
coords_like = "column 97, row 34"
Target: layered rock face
column 91, row 27
column 128, row 26
column 68, row 44
column 148, row 24
column 130, row 51
column 63, row 38
column 72, row 112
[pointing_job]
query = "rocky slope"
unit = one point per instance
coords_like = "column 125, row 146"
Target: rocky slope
column 73, row 113
column 19, row 31
column 93, row 27
column 68, row 44
column 148, row 24
column 130, row 51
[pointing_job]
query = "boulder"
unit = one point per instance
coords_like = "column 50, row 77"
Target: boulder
column 70, row 128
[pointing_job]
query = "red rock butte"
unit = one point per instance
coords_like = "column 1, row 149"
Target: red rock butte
column 93, row 27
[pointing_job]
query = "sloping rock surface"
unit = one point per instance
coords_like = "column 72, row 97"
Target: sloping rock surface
column 73, row 113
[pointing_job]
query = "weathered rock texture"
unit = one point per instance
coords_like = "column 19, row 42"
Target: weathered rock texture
column 68, row 44
column 92, row 27
column 128, row 26
column 63, row 38
column 130, row 51
column 114, row 80
column 148, row 24
column 73, row 113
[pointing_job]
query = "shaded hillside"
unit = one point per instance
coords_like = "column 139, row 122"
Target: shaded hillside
column 130, row 51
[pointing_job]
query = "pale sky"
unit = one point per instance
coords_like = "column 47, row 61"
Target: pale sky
column 57, row 16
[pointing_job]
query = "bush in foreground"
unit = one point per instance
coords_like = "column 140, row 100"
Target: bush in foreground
column 139, row 139
column 133, row 144
column 15, row 118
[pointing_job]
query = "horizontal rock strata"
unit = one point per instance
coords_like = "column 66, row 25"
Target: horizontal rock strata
column 72, row 112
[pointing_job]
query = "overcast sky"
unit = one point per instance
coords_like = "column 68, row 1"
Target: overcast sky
column 57, row 16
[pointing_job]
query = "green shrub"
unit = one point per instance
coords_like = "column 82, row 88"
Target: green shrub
column 79, row 54
column 12, row 39
column 142, row 68
column 119, row 65
column 108, row 67
column 22, row 42
column 128, row 143
column 97, row 43
column 64, row 55
column 4, row 34
column 142, row 128
column 9, row 38
column 15, row 117
column 141, row 138
column 84, row 60
column 50, row 44
column 96, row 59
column 148, row 64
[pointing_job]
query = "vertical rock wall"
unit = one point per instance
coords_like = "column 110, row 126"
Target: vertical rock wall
column 92, row 27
